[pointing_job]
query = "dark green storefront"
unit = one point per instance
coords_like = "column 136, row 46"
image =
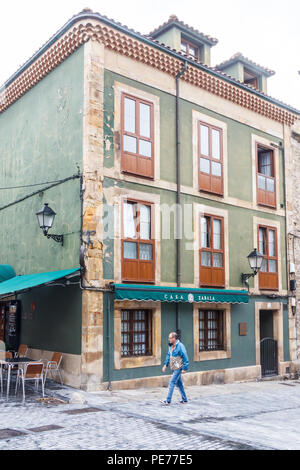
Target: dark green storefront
column 242, row 310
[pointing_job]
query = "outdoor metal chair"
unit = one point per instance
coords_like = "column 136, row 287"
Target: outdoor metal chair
column 22, row 351
column 53, row 367
column 32, row 371
column 3, row 367
column 2, row 358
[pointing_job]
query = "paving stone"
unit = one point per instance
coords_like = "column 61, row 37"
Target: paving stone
column 261, row 415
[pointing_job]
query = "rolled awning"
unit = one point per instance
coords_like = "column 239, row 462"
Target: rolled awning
column 6, row 272
column 18, row 284
column 179, row 294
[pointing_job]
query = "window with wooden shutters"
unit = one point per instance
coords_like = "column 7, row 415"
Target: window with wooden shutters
column 266, row 183
column 268, row 275
column 136, row 333
column 137, row 140
column 190, row 49
column 211, row 330
column 251, row 79
column 138, row 246
column 210, row 159
column 212, row 266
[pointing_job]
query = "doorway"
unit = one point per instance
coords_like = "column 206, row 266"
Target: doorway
column 268, row 345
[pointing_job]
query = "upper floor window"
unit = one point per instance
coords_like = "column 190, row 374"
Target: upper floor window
column 268, row 276
column 212, row 266
column 210, row 159
column 190, row 49
column 251, row 79
column 138, row 245
column 266, row 189
column 137, row 139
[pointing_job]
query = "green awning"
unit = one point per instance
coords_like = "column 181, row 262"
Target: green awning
column 179, row 294
column 28, row 281
column 6, row 272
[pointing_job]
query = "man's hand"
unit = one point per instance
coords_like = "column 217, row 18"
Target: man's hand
column 183, row 371
column 164, row 368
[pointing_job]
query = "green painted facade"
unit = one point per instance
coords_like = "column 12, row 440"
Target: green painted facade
column 239, row 169
column 240, row 221
column 41, row 141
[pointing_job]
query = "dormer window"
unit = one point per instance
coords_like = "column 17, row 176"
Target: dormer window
column 182, row 37
column 251, row 79
column 190, row 49
column 246, row 71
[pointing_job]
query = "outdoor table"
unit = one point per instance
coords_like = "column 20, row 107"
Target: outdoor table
column 13, row 362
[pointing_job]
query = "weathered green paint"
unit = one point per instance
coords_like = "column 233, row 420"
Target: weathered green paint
column 241, row 240
column 171, row 37
column 240, row 221
column 55, row 324
column 235, row 71
column 40, row 141
column 167, row 128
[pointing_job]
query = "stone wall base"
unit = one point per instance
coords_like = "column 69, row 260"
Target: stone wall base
column 284, row 367
column 70, row 366
column 222, row 376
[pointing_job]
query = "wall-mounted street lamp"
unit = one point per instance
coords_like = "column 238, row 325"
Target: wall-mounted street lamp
column 46, row 218
column 255, row 260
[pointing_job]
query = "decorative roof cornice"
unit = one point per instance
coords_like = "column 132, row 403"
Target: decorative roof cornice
column 120, row 39
column 239, row 57
column 174, row 21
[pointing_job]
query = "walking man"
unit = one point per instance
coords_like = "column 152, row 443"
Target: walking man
column 179, row 363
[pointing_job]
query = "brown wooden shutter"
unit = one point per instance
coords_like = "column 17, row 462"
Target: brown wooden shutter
column 213, row 276
column 265, row 197
column 139, row 269
column 269, row 280
column 208, row 180
column 134, row 162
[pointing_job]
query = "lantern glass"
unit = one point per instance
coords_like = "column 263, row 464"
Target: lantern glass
column 255, row 260
column 46, row 218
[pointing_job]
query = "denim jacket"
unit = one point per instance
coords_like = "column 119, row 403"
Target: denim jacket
column 179, row 350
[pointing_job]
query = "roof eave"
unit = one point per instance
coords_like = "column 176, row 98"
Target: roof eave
column 96, row 16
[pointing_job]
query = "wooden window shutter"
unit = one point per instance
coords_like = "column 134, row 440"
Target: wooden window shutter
column 137, row 136
column 138, row 244
column 210, row 159
column 212, row 253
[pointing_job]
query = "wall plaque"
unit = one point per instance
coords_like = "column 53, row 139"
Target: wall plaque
column 243, row 329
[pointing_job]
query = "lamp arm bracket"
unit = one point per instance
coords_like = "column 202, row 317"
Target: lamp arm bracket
column 56, row 238
column 245, row 278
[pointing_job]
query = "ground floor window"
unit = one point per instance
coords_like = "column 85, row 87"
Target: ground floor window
column 211, row 330
column 136, row 333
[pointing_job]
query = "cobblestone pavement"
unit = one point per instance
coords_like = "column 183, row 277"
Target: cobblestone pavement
column 264, row 415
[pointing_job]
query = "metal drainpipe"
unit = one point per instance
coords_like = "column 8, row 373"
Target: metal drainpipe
column 281, row 148
column 178, row 171
column 108, row 309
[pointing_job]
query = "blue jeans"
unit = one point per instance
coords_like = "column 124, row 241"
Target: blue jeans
column 176, row 381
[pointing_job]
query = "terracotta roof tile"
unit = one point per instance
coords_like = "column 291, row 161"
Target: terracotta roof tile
column 138, row 36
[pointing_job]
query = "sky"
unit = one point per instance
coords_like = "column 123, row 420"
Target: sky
column 265, row 31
